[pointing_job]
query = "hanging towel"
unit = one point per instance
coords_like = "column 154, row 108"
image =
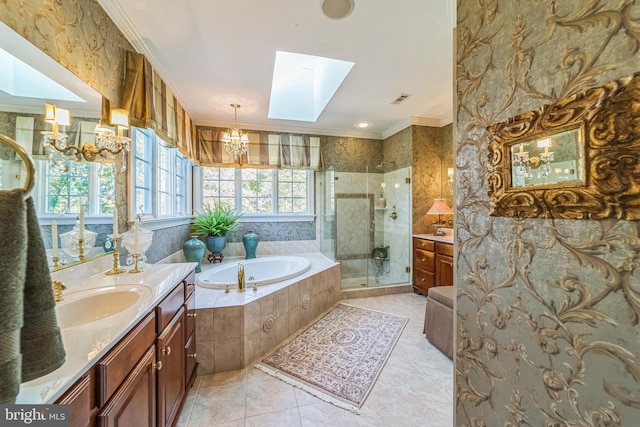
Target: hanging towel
column 30, row 340
column 40, row 339
column 13, row 262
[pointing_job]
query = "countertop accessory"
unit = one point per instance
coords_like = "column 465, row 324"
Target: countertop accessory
column 439, row 208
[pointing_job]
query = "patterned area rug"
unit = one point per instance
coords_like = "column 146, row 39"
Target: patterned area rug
column 339, row 357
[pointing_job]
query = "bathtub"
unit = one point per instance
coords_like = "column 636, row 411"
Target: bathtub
column 261, row 271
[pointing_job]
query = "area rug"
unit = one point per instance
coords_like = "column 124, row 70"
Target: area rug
column 339, row 357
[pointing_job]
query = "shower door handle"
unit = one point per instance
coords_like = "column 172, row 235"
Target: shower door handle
column 372, row 227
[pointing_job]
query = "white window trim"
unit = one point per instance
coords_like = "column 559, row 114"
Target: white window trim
column 154, row 221
column 253, row 217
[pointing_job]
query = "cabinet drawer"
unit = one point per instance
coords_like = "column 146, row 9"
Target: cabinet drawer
column 424, row 260
column 189, row 285
column 444, row 248
column 427, row 245
column 190, row 307
column 116, row 365
column 169, row 307
column 191, row 364
column 423, row 279
column 81, row 400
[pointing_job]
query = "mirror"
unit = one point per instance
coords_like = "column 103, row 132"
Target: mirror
column 548, row 160
column 578, row 158
column 29, row 79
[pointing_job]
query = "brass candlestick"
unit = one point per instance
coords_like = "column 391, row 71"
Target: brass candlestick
column 116, row 269
column 81, row 250
column 56, row 260
column 135, row 268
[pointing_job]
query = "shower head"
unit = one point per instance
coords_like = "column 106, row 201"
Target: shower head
column 381, row 165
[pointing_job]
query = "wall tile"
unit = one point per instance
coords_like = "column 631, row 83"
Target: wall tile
column 228, row 354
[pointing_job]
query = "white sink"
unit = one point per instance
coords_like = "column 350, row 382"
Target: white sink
column 88, row 306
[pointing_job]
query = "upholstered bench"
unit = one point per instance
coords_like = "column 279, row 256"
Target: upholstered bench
column 438, row 319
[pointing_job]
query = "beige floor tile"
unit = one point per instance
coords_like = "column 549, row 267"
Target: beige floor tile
column 284, row 418
column 324, row 414
column 269, row 395
column 303, row 398
column 415, row 388
column 218, row 404
column 224, row 378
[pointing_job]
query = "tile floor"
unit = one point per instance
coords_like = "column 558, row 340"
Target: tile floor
column 415, row 387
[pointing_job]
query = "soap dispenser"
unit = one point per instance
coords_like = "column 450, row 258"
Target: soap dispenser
column 382, row 203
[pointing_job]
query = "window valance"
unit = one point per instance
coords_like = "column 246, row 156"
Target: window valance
column 266, row 150
column 151, row 104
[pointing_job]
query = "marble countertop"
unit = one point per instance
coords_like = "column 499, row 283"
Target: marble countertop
column 447, row 238
column 86, row 344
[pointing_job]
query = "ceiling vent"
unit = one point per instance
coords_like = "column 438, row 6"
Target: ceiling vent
column 401, row 98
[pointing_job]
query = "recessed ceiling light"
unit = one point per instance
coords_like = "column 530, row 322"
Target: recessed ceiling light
column 363, row 125
column 303, row 85
column 337, row 9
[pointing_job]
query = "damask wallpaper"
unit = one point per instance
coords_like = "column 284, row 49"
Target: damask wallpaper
column 547, row 310
column 76, row 33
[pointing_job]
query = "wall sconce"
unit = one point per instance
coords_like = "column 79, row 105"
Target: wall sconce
column 108, row 141
column 450, row 179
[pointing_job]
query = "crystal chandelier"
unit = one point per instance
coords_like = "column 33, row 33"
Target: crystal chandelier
column 235, row 142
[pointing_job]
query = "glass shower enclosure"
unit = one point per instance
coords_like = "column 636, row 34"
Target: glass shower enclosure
column 365, row 224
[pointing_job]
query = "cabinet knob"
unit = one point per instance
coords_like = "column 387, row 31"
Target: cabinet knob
column 192, row 355
column 192, row 314
column 157, row 366
column 422, row 280
column 167, row 350
column 423, row 259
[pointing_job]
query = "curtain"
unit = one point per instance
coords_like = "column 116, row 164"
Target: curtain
column 265, row 150
column 151, row 104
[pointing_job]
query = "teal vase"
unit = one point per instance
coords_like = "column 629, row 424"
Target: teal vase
column 216, row 244
column 193, row 251
column 250, row 240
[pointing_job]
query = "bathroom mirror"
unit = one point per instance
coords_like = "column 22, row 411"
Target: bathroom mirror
column 548, row 160
column 30, row 78
column 591, row 142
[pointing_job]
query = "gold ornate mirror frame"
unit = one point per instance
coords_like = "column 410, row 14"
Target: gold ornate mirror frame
column 609, row 121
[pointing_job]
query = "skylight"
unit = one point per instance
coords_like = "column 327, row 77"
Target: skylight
column 20, row 79
column 303, row 85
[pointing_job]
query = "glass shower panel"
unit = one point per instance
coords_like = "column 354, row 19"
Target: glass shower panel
column 327, row 212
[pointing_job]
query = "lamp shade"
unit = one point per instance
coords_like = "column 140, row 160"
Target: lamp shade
column 439, row 207
column 120, row 117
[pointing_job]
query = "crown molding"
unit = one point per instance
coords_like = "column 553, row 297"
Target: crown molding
column 116, row 12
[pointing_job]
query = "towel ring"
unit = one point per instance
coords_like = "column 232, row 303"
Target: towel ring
column 30, row 180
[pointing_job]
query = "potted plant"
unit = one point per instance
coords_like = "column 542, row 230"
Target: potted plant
column 215, row 222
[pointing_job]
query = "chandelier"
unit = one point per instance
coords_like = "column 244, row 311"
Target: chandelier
column 108, row 141
column 235, row 142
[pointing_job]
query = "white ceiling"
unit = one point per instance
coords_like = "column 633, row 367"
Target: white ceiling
column 213, row 53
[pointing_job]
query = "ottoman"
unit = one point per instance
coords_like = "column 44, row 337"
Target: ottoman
column 438, row 319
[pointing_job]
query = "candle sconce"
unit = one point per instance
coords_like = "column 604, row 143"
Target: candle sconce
column 75, row 246
column 136, row 247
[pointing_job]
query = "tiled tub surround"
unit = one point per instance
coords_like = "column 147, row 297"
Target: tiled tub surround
column 234, row 329
column 86, row 344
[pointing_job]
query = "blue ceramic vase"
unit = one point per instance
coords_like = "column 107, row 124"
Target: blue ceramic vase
column 193, row 251
column 250, row 240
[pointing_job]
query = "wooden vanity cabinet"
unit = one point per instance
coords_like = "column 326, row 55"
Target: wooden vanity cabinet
column 144, row 379
column 432, row 264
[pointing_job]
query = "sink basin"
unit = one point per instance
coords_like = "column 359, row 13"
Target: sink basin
column 85, row 307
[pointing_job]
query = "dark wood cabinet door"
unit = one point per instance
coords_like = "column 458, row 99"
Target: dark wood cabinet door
column 134, row 403
column 444, row 270
column 171, row 378
column 81, row 399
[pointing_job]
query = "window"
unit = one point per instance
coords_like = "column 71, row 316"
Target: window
column 69, row 185
column 162, row 178
column 260, row 193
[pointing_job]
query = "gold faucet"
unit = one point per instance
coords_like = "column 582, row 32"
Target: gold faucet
column 58, row 287
column 240, row 277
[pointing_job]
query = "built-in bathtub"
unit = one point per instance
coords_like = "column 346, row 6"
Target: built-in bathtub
column 258, row 271
column 235, row 328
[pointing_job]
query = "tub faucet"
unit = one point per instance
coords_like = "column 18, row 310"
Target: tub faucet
column 240, row 277
column 58, row 287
